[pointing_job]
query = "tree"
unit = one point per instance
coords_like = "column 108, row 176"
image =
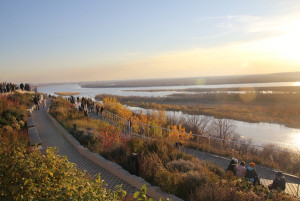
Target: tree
column 223, row 128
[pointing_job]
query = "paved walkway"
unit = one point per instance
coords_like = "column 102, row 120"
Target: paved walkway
column 51, row 137
column 266, row 174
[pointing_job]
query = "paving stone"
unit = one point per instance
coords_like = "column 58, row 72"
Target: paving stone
column 51, row 137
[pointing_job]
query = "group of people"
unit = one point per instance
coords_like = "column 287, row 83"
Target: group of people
column 86, row 105
column 6, row 87
column 249, row 172
column 39, row 104
column 25, row 87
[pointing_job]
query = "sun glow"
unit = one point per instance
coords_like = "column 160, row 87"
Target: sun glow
column 287, row 45
column 296, row 140
column 297, row 84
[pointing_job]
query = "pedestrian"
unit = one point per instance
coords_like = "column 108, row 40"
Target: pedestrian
column 129, row 125
column 36, row 102
column 241, row 170
column 101, row 110
column 44, row 104
column 22, row 86
column 85, row 111
column 232, row 165
column 97, row 109
column 279, row 182
column 252, row 175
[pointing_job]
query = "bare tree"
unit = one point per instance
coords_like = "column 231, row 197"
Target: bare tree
column 223, row 128
column 175, row 119
column 198, row 124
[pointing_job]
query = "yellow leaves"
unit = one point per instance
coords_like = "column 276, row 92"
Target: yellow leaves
column 50, row 173
column 179, row 134
column 26, row 182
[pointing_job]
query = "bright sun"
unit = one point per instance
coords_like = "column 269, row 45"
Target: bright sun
column 297, row 84
column 296, row 140
column 288, row 44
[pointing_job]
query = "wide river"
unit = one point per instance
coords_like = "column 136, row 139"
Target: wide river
column 261, row 133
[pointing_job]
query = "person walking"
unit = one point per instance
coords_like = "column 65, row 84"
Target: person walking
column 252, row 175
column 279, row 182
column 36, row 103
column 241, row 170
column 44, row 104
column 129, row 125
column 101, row 110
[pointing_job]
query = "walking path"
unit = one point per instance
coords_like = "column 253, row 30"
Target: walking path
column 266, row 174
column 51, row 136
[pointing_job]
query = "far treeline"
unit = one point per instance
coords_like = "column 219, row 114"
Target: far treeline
column 209, row 80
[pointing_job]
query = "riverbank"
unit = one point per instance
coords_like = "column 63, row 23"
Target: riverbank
column 280, row 108
column 66, row 93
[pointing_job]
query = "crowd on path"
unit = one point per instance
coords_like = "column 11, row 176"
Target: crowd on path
column 86, row 105
column 6, row 87
column 40, row 102
column 249, row 172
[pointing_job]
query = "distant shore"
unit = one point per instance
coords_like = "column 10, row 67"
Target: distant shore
column 66, row 93
column 273, row 105
column 209, row 80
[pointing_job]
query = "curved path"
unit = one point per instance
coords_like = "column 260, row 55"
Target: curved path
column 52, row 137
column 266, row 174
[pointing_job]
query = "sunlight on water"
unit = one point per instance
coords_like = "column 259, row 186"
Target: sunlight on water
column 296, row 140
column 297, row 84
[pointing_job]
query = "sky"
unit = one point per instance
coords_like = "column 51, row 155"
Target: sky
column 95, row 40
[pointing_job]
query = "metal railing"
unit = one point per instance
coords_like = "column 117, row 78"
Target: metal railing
column 276, row 157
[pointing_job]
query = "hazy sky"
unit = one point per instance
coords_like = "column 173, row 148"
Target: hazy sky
column 69, row 40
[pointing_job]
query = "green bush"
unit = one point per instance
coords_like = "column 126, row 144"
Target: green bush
column 26, row 174
column 161, row 164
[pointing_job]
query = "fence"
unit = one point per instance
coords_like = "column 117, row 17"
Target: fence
column 269, row 156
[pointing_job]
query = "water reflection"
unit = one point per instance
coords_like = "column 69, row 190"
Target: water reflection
column 129, row 91
column 295, row 140
column 296, row 83
column 262, row 133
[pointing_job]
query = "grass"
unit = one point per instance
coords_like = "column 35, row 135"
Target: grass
column 282, row 107
column 161, row 164
column 66, row 93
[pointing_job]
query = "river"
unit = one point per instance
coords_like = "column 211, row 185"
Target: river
column 261, row 133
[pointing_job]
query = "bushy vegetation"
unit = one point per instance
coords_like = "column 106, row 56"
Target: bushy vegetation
column 13, row 110
column 285, row 160
column 160, row 162
column 26, row 174
column 281, row 107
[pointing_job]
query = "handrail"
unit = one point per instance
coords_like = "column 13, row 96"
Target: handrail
column 202, row 136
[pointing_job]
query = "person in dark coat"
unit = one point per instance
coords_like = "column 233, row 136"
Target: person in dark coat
column 252, row 175
column 232, row 165
column 22, row 86
column 279, row 182
column 101, row 110
column 36, row 102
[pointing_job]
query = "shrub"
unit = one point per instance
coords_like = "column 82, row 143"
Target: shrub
column 193, row 180
column 180, row 166
column 136, row 145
